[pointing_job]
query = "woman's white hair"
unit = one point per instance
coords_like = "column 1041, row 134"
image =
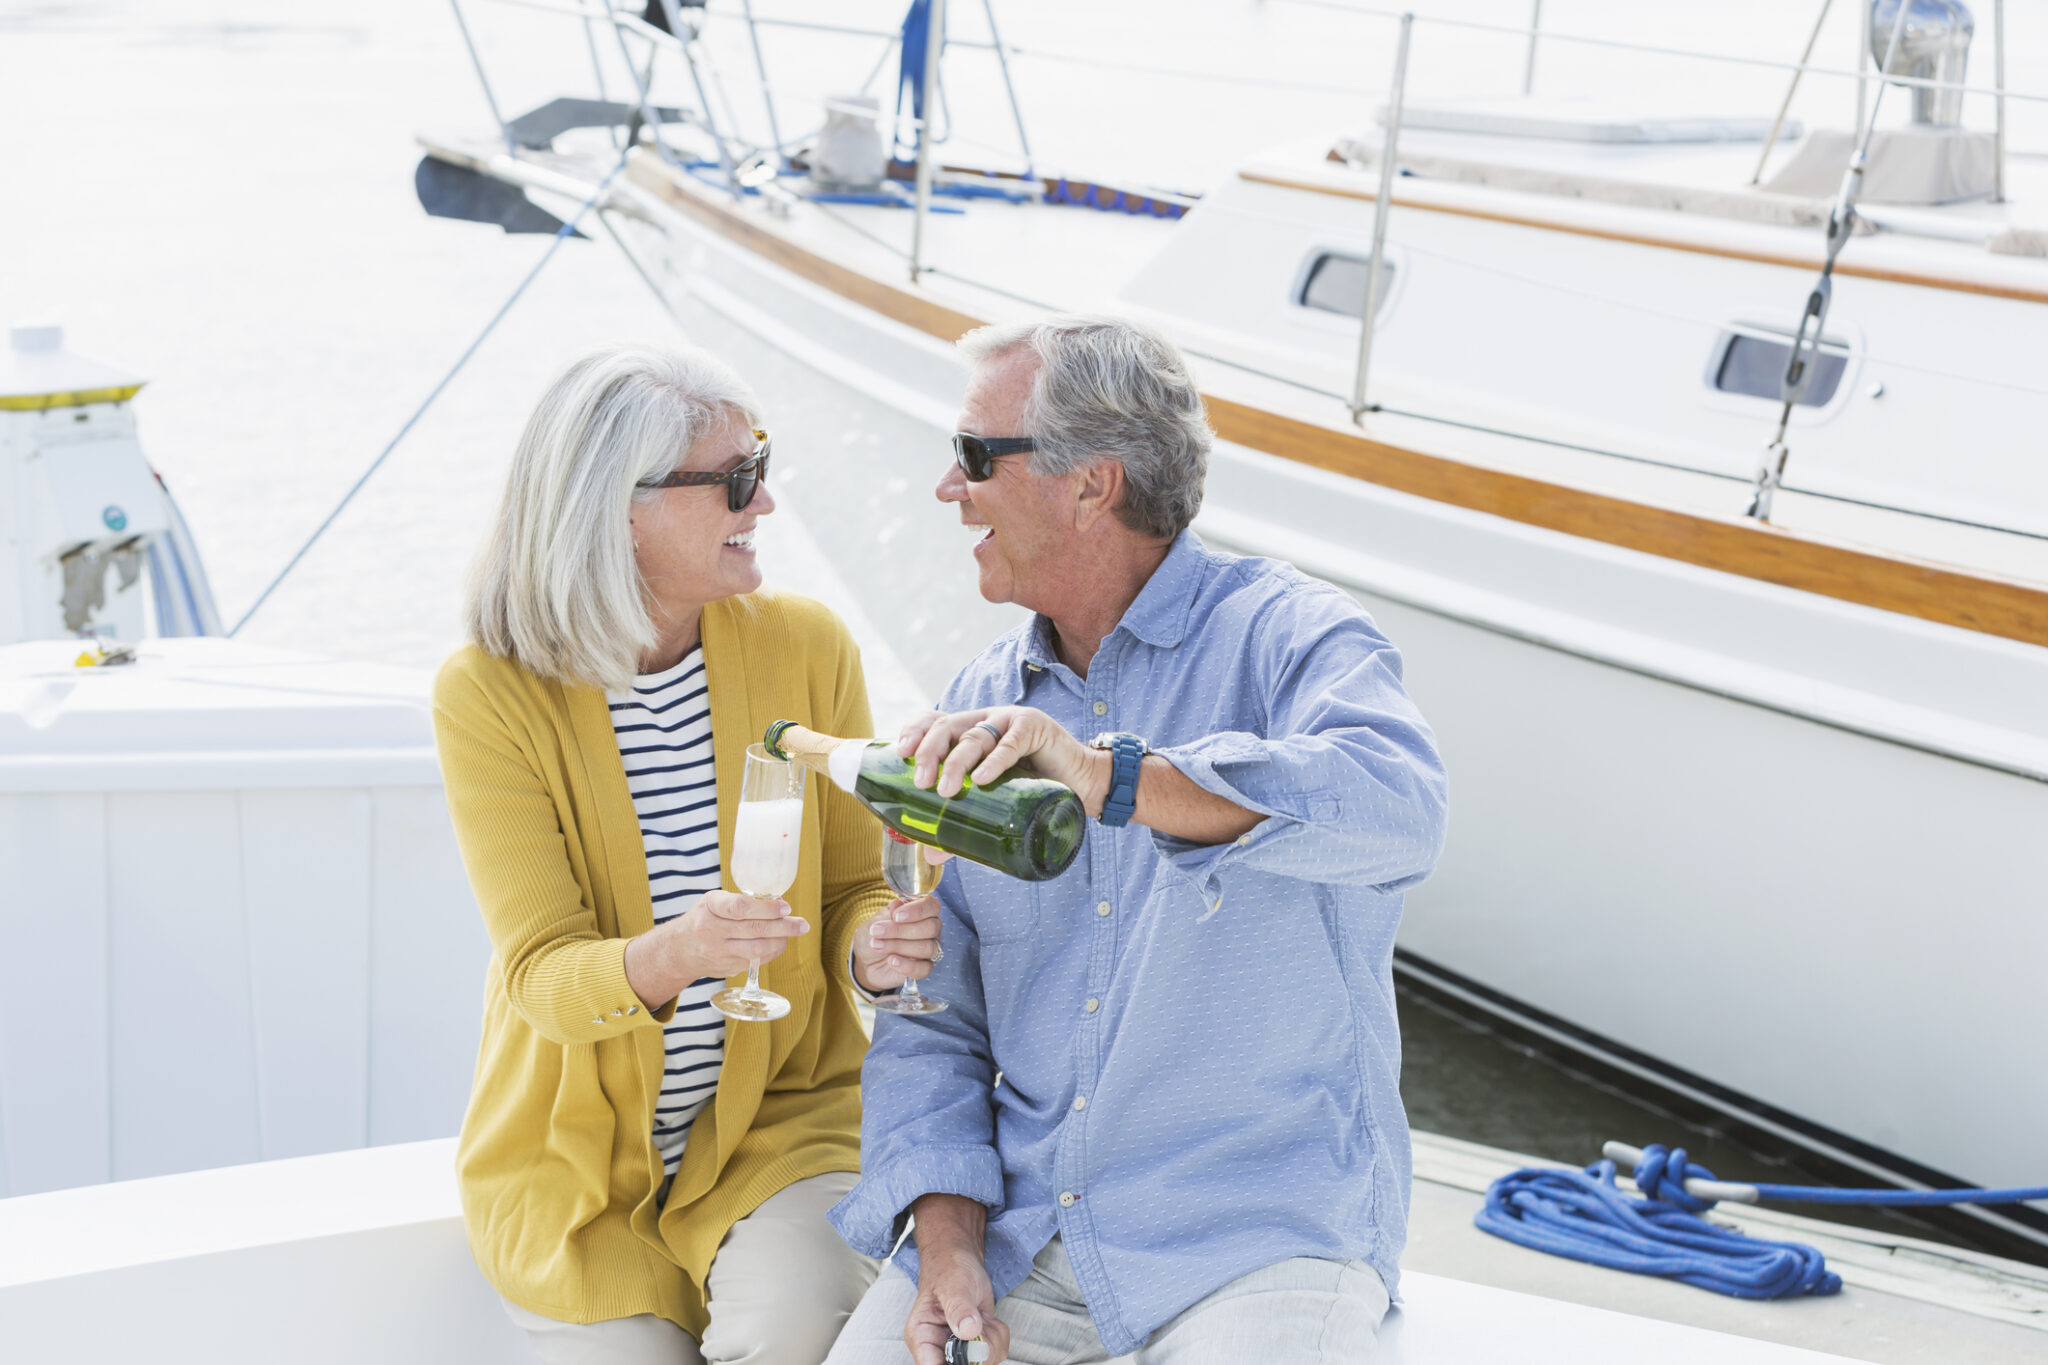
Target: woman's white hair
column 556, row 588
column 1108, row 387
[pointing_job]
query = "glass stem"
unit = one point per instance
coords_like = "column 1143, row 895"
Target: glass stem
column 910, row 989
column 753, row 986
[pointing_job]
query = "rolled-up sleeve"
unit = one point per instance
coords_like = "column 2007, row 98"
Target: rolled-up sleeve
column 1347, row 774
column 928, row 1122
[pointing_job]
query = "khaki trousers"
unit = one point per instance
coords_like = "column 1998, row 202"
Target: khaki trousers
column 781, row 1286
column 1294, row 1312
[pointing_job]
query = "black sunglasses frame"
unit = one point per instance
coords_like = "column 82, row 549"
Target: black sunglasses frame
column 977, row 455
column 741, row 482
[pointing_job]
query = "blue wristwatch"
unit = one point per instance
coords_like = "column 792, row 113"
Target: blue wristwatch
column 1127, row 753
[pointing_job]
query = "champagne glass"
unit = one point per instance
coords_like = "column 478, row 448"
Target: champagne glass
column 766, row 840
column 909, row 873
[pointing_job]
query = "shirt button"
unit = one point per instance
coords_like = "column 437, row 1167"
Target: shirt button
column 1102, row 907
column 1067, row 1198
column 1102, row 708
column 1092, row 1005
column 632, row 1009
column 1243, row 839
column 1080, row 1103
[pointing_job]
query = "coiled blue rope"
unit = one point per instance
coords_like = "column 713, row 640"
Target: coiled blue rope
column 1585, row 1216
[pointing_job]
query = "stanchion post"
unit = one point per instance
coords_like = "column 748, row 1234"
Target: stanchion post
column 767, row 95
column 1381, row 203
column 1998, row 83
column 1529, row 60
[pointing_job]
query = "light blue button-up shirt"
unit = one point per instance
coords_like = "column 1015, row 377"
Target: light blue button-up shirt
column 1183, row 1060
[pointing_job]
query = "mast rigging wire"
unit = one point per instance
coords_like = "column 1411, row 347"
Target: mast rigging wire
column 568, row 229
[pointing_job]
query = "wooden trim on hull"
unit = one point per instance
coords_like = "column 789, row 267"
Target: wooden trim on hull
column 910, row 308
column 1749, row 549
column 1797, row 262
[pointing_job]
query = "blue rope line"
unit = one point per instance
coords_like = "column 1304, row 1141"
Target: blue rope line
column 567, row 231
column 1662, row 1174
column 1585, row 1216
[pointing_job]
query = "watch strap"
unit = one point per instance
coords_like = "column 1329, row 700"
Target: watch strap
column 1126, row 756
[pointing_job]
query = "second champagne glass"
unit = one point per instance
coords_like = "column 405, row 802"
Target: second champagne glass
column 767, row 837
column 908, row 873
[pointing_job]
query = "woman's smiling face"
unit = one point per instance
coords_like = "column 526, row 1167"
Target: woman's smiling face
column 692, row 548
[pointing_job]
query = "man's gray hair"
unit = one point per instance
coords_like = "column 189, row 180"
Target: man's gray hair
column 1108, row 387
column 556, row 587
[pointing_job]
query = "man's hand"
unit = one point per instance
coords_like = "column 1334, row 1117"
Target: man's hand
column 898, row 945
column 951, row 748
column 954, row 1295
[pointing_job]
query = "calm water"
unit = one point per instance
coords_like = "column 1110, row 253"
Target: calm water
column 219, row 196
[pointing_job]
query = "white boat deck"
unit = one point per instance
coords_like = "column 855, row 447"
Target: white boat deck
column 360, row 1256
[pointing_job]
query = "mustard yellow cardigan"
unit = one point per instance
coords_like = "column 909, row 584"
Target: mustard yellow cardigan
column 557, row 1164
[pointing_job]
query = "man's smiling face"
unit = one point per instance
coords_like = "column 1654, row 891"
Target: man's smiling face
column 1016, row 514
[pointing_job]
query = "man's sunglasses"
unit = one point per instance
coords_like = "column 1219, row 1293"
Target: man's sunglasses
column 741, row 481
column 976, row 455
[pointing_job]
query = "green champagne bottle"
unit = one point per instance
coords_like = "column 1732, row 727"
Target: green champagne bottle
column 1029, row 827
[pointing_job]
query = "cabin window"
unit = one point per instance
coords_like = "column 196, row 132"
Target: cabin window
column 1755, row 365
column 1335, row 283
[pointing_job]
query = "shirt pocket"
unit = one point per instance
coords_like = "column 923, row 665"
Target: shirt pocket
column 1003, row 909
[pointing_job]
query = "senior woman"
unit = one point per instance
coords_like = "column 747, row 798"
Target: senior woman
column 641, row 1179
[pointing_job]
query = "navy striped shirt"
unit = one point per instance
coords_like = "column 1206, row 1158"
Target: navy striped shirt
column 664, row 732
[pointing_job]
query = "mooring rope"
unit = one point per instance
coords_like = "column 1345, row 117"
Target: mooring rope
column 1586, row 1216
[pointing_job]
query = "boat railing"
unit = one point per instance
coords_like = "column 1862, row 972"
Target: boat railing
column 686, row 21
column 601, row 12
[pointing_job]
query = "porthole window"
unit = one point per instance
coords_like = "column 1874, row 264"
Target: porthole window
column 1332, row 282
column 1750, row 364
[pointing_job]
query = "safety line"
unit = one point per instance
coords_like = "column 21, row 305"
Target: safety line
column 568, row 229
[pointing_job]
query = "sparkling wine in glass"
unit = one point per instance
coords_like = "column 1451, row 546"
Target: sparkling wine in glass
column 767, row 837
column 908, row 873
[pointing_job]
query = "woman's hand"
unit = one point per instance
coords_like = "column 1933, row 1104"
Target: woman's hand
column 716, row 937
column 898, row 945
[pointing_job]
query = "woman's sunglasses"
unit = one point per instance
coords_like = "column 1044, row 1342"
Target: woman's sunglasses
column 976, row 455
column 741, row 481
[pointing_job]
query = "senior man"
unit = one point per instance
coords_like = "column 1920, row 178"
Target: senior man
column 1162, row 1116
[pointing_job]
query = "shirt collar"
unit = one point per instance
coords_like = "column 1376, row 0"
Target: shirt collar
column 1158, row 616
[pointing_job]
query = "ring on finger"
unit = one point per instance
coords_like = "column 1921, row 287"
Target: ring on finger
column 938, row 953
column 994, row 733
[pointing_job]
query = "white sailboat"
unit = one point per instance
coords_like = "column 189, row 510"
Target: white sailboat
column 1750, row 740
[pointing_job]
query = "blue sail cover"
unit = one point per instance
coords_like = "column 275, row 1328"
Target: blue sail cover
column 916, row 26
